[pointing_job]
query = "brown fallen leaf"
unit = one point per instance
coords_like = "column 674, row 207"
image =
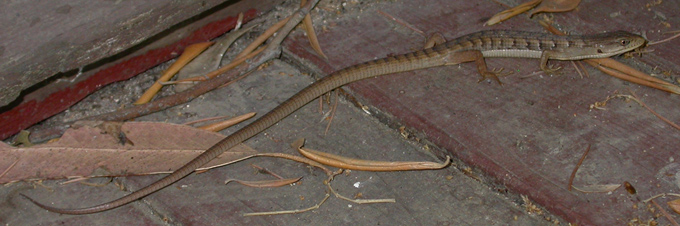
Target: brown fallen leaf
column 554, row 6
column 218, row 126
column 597, row 188
column 311, row 34
column 158, row 148
column 507, row 14
column 573, row 172
column 265, row 183
column 224, row 68
column 209, row 60
column 625, row 72
column 545, row 6
column 190, row 52
column 675, row 205
column 263, row 37
column 366, row 165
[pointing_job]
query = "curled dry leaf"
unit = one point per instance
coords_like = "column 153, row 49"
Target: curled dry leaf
column 83, row 149
column 263, row 37
column 366, row 165
column 265, row 183
column 553, row 6
column 507, row 14
column 675, row 205
column 189, row 54
column 209, row 60
column 625, row 72
column 224, row 69
column 597, row 188
column 218, row 126
column 311, row 34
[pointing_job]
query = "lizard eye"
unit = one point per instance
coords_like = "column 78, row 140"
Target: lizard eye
column 624, row 42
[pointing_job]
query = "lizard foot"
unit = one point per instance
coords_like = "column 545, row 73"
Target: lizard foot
column 494, row 74
column 551, row 70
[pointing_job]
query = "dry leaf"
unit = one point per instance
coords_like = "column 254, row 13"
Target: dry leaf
column 263, row 37
column 675, row 205
column 311, row 34
column 218, row 126
column 597, row 188
column 190, row 52
column 265, row 183
column 209, row 60
column 158, row 147
column 366, row 165
column 552, row 6
column 625, row 72
column 507, row 14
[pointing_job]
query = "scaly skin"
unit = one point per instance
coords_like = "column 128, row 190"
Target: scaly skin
column 471, row 47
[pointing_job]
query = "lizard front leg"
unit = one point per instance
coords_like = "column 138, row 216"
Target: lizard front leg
column 478, row 58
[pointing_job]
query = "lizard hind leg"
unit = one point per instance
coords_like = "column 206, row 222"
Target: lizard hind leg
column 434, row 40
column 551, row 69
column 545, row 67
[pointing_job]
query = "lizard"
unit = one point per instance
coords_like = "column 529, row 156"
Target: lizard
column 472, row 47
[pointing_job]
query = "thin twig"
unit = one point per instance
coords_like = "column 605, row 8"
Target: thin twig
column 275, row 155
column 97, row 184
column 76, row 179
column 502, row 4
column 206, row 119
column 654, row 112
column 9, row 168
column 665, row 214
column 218, row 126
column 573, row 63
column 580, row 161
column 333, row 110
column 289, row 211
column 266, row 171
column 359, row 201
column 653, row 197
column 664, row 40
column 402, row 23
column 660, row 195
column 583, row 67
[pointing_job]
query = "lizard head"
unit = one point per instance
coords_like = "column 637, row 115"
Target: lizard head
column 615, row 43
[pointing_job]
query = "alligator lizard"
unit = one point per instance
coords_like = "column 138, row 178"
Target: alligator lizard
column 467, row 48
